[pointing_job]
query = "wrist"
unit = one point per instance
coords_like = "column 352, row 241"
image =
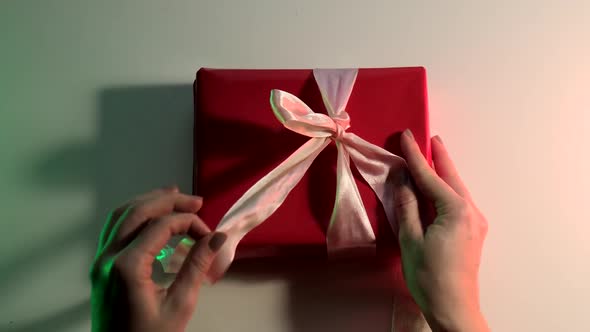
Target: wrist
column 468, row 321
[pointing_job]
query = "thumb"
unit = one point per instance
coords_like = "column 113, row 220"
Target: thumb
column 183, row 293
column 407, row 214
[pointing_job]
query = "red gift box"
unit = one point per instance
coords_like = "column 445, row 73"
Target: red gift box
column 238, row 140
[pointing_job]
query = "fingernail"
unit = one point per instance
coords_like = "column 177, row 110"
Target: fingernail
column 198, row 198
column 408, row 132
column 217, row 241
column 439, row 139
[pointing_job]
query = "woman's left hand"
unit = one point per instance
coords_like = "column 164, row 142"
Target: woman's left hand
column 124, row 296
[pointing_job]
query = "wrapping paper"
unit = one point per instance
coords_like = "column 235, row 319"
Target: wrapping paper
column 238, row 141
column 349, row 228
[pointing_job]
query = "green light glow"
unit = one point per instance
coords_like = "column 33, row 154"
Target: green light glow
column 166, row 252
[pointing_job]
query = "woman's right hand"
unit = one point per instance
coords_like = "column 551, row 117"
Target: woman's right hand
column 441, row 262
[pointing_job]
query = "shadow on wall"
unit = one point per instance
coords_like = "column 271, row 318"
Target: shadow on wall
column 56, row 322
column 145, row 141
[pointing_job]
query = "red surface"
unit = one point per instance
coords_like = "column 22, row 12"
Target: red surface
column 238, row 140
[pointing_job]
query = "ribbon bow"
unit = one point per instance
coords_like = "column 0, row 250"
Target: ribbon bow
column 349, row 224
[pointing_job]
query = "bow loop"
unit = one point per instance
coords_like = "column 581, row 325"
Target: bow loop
column 295, row 115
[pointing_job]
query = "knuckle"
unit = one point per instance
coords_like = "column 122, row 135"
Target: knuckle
column 469, row 215
column 484, row 226
column 199, row 263
column 159, row 221
column 95, row 272
column 159, row 191
column 404, row 198
column 422, row 177
column 149, row 194
column 462, row 209
column 171, row 217
column 197, row 203
column 116, row 213
column 168, row 221
column 163, row 225
column 100, row 268
column 178, row 222
column 181, row 305
column 138, row 210
column 120, row 264
column 404, row 238
column 125, row 266
column 166, row 189
column 162, row 192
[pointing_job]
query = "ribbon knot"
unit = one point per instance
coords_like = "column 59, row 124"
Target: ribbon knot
column 339, row 133
column 296, row 116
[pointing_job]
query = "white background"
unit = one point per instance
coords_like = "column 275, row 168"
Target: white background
column 95, row 105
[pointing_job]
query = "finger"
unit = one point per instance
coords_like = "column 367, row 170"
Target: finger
column 140, row 213
column 427, row 181
column 183, row 293
column 114, row 216
column 407, row 214
column 145, row 197
column 445, row 168
column 106, row 230
column 155, row 236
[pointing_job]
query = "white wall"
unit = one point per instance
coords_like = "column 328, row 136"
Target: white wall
column 508, row 85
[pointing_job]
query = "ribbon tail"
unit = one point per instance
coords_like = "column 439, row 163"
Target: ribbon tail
column 349, row 224
column 253, row 208
column 382, row 170
column 257, row 204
